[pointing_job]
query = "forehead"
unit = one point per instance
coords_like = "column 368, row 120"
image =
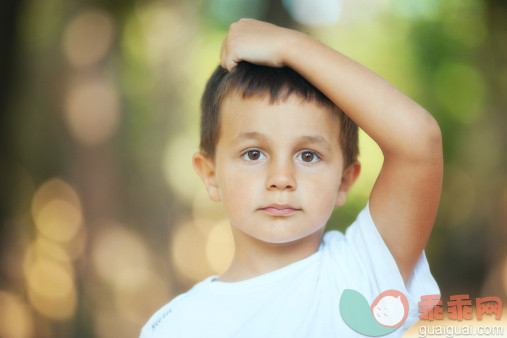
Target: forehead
column 288, row 118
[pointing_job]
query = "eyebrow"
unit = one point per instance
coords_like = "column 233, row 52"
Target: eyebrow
column 305, row 139
column 253, row 135
column 317, row 139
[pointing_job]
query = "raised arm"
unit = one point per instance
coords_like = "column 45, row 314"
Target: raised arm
column 406, row 194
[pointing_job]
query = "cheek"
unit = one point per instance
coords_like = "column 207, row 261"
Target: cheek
column 320, row 190
column 237, row 187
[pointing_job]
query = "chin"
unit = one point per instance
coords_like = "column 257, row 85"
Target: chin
column 272, row 239
column 281, row 238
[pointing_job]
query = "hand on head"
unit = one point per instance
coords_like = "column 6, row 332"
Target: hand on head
column 256, row 42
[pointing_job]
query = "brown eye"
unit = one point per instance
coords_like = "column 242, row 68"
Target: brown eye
column 253, row 155
column 307, row 156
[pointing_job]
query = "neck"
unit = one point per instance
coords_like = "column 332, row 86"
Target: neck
column 253, row 257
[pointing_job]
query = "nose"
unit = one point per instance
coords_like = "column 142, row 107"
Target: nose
column 281, row 176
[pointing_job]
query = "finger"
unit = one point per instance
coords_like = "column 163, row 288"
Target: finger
column 231, row 65
column 224, row 59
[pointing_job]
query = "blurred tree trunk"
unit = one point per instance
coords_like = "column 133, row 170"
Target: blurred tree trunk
column 494, row 65
column 9, row 10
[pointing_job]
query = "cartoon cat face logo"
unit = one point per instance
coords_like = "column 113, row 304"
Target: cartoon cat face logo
column 390, row 308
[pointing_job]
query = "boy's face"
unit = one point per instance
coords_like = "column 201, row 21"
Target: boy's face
column 277, row 168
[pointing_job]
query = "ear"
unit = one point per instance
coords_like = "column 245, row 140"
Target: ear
column 349, row 176
column 205, row 168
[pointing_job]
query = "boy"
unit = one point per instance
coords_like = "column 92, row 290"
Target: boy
column 280, row 154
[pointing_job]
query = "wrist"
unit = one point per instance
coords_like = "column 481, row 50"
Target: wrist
column 293, row 43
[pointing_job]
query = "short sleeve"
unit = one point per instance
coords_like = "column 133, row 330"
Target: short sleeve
column 374, row 268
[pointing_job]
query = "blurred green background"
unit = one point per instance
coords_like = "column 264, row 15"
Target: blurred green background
column 102, row 218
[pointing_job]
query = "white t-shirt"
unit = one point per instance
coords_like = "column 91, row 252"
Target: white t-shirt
column 301, row 299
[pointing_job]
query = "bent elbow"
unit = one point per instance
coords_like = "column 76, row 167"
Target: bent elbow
column 430, row 140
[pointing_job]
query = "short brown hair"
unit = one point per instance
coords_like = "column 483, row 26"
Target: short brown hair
column 251, row 80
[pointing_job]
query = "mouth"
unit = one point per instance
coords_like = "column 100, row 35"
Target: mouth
column 280, row 210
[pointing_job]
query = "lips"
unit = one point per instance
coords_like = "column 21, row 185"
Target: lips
column 280, row 210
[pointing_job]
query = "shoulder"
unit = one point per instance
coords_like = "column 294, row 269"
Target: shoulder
column 168, row 319
column 162, row 321
column 362, row 256
column 361, row 229
column 360, row 245
column 359, row 255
